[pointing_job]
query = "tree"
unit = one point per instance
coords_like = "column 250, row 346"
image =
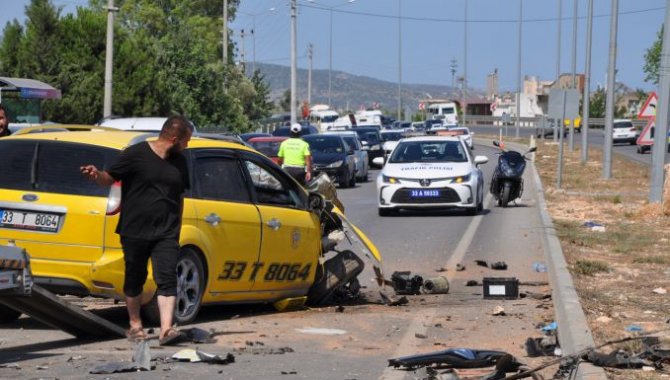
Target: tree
column 652, row 59
column 285, row 101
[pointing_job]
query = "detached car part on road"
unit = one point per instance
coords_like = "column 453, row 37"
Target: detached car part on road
column 431, row 172
column 250, row 233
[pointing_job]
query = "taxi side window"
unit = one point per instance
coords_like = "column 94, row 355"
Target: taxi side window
column 272, row 188
column 219, row 178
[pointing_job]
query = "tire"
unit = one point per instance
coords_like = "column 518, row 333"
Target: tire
column 471, row 211
column 633, row 142
column 345, row 181
column 480, row 204
column 505, row 195
column 190, row 288
column 352, row 181
column 8, row 315
column 335, row 272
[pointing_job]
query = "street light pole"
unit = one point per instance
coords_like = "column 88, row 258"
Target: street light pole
column 294, row 63
column 399, row 58
column 571, row 141
column 558, row 124
column 330, row 61
column 609, row 101
column 465, row 64
column 587, row 85
column 518, row 99
column 109, row 59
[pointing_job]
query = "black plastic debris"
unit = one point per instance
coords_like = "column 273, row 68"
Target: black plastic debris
column 482, row 263
column 615, row 359
column 472, row 283
column 197, row 335
column 141, row 362
column 460, row 267
column 499, row 265
column 535, row 296
column 542, row 346
column 264, row 350
column 404, row 284
column 453, row 357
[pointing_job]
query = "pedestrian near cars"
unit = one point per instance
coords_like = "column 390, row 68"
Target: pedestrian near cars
column 4, row 121
column 295, row 157
column 154, row 176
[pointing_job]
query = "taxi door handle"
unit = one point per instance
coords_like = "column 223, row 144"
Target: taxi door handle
column 213, row 219
column 274, row 224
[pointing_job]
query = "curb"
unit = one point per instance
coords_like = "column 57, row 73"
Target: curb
column 574, row 333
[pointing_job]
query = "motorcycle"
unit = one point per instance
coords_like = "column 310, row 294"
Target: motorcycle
column 507, row 181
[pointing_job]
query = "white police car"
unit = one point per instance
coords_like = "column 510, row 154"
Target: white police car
column 431, row 172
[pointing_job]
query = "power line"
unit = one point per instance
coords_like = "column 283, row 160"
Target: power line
column 479, row 21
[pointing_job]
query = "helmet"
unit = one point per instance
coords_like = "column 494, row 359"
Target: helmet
column 296, row 128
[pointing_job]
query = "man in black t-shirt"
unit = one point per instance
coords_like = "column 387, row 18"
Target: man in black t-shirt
column 154, row 176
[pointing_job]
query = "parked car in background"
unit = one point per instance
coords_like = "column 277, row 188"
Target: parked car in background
column 623, row 131
column 269, row 146
column 390, row 140
column 137, row 124
column 370, row 137
column 251, row 135
column 333, row 156
column 285, row 130
column 462, row 132
column 361, row 153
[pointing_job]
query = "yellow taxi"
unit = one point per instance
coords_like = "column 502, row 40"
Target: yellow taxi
column 250, row 233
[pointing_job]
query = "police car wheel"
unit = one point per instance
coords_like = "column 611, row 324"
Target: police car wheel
column 8, row 315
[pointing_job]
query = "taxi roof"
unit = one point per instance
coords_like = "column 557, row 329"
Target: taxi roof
column 115, row 139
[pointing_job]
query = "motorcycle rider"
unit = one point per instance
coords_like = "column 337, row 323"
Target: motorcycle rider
column 295, row 157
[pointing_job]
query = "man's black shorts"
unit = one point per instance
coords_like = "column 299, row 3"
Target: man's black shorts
column 297, row 173
column 163, row 253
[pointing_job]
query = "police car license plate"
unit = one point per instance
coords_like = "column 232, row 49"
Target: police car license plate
column 32, row 221
column 424, row 193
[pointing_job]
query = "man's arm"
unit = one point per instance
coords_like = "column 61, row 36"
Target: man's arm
column 102, row 178
column 308, row 163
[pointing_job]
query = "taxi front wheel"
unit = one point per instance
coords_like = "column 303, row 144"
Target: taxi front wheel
column 190, row 287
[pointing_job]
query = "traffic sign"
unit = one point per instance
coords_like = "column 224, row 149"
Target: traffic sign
column 422, row 106
column 493, row 106
column 647, row 135
column 648, row 110
column 558, row 109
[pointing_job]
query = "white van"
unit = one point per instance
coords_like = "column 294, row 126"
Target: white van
column 369, row 118
column 445, row 112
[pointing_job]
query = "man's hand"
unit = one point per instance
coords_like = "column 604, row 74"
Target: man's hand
column 90, row 171
column 308, row 176
column 98, row 176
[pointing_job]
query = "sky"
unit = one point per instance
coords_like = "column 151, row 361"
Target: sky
column 366, row 39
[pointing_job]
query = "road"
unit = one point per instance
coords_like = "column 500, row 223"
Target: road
column 371, row 332
column 596, row 139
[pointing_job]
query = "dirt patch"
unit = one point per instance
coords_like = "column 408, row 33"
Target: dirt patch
column 619, row 261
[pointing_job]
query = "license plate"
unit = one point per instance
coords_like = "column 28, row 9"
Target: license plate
column 28, row 220
column 424, row 193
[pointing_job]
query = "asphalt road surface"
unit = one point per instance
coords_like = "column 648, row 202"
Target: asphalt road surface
column 272, row 345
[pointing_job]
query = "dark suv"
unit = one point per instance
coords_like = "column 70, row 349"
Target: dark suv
column 333, row 156
column 372, row 139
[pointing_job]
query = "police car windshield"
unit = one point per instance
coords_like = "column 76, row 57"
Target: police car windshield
column 429, row 151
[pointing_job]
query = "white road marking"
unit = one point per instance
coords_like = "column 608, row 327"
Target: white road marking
column 462, row 247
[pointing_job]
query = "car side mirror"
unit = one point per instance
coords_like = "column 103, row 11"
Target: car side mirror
column 379, row 161
column 365, row 147
column 479, row 160
column 365, row 143
column 316, row 202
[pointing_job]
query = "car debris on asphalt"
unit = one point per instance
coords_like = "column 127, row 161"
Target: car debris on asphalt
column 404, row 283
column 141, row 361
column 436, row 285
column 191, row 355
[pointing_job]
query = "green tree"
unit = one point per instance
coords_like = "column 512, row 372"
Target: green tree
column 260, row 105
column 285, row 101
column 9, row 48
column 652, row 59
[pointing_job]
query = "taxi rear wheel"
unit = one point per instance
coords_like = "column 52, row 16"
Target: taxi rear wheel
column 190, row 287
column 8, row 315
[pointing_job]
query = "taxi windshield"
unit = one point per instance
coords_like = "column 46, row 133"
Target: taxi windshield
column 429, row 151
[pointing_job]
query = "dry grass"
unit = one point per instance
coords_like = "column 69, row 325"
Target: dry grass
column 615, row 271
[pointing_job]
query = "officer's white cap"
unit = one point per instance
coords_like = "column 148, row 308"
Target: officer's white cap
column 296, row 128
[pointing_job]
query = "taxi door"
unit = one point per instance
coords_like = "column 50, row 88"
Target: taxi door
column 228, row 220
column 290, row 246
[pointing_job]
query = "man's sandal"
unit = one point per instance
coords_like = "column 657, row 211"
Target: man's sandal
column 172, row 336
column 135, row 334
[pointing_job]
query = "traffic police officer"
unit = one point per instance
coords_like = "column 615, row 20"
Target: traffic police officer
column 294, row 156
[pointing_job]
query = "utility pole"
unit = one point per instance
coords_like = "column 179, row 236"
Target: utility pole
column 399, row 57
column 243, row 53
column 109, row 59
column 310, row 51
column 253, row 41
column 658, row 151
column 571, row 141
column 465, row 63
column 294, row 44
column 453, row 67
column 609, row 101
column 519, row 84
column 558, row 124
column 587, row 85
column 225, row 32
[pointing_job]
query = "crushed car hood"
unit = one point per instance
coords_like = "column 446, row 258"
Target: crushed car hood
column 419, row 170
column 359, row 237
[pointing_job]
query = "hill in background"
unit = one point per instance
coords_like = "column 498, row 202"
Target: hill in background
column 351, row 92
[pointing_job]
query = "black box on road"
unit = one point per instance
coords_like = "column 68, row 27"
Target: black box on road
column 501, row 288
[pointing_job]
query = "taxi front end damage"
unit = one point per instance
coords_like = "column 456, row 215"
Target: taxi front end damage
column 249, row 234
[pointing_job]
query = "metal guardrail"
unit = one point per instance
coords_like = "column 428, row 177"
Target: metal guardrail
column 536, row 122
